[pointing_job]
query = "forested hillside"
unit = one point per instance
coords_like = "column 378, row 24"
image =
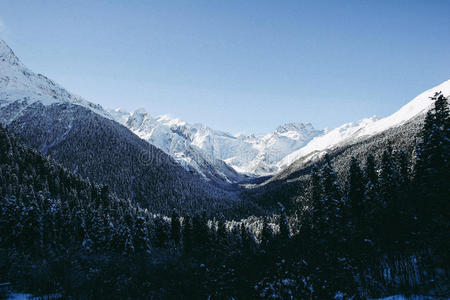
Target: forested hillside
column 381, row 229
column 108, row 153
column 83, row 137
column 288, row 184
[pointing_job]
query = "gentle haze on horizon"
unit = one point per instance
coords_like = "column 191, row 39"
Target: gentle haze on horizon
column 233, row 65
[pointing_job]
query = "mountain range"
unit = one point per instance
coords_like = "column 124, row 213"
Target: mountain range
column 204, row 149
column 84, row 138
column 137, row 153
column 196, row 145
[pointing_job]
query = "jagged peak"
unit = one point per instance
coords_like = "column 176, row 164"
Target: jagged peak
column 166, row 119
column 140, row 111
column 292, row 126
column 7, row 55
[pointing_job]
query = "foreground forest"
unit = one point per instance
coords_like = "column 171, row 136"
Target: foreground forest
column 382, row 230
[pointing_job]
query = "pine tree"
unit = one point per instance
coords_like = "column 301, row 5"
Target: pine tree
column 266, row 234
column 371, row 201
column 161, row 235
column 284, row 226
column 331, row 199
column 175, row 232
column 432, row 173
column 433, row 153
column 246, row 240
column 221, row 230
column 403, row 166
column 356, row 193
column 371, row 170
column 200, row 229
column 141, row 241
column 187, row 233
column 315, row 198
column 387, row 182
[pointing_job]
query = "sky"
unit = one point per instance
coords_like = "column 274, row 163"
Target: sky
column 238, row 66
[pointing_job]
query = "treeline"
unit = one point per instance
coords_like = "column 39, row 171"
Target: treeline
column 110, row 154
column 294, row 180
column 383, row 229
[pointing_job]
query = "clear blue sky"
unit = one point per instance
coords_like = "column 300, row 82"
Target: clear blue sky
column 240, row 66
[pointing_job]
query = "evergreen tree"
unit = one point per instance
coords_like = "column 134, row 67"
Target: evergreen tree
column 284, row 226
column 246, row 239
column 221, row 232
column 161, row 235
column 371, row 170
column 187, row 233
column 266, row 234
column 356, row 188
column 141, row 240
column 432, row 170
column 387, row 182
column 403, row 166
column 332, row 198
column 175, row 223
column 200, row 230
column 315, row 196
column 432, row 173
column 371, row 202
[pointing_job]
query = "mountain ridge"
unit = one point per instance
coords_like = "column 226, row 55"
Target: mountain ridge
column 249, row 155
column 355, row 131
column 86, row 140
column 261, row 155
column 216, row 155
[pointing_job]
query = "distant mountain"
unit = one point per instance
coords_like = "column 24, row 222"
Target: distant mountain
column 199, row 147
column 18, row 83
column 174, row 137
column 400, row 132
column 356, row 131
column 84, row 138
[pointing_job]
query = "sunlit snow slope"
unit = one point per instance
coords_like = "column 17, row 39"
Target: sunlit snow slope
column 355, row 131
column 18, row 83
column 198, row 146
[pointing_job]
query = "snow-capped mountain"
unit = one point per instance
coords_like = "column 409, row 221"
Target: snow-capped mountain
column 18, row 83
column 195, row 145
column 173, row 137
column 85, row 139
column 217, row 155
column 356, row 131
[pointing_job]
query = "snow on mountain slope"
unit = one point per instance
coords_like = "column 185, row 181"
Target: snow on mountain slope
column 273, row 147
column 18, row 83
column 354, row 131
column 195, row 144
column 173, row 137
column 262, row 155
column 86, row 140
column 214, row 154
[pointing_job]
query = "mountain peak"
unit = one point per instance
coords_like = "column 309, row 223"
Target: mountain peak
column 140, row 111
column 294, row 127
column 17, row 82
column 7, row 55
